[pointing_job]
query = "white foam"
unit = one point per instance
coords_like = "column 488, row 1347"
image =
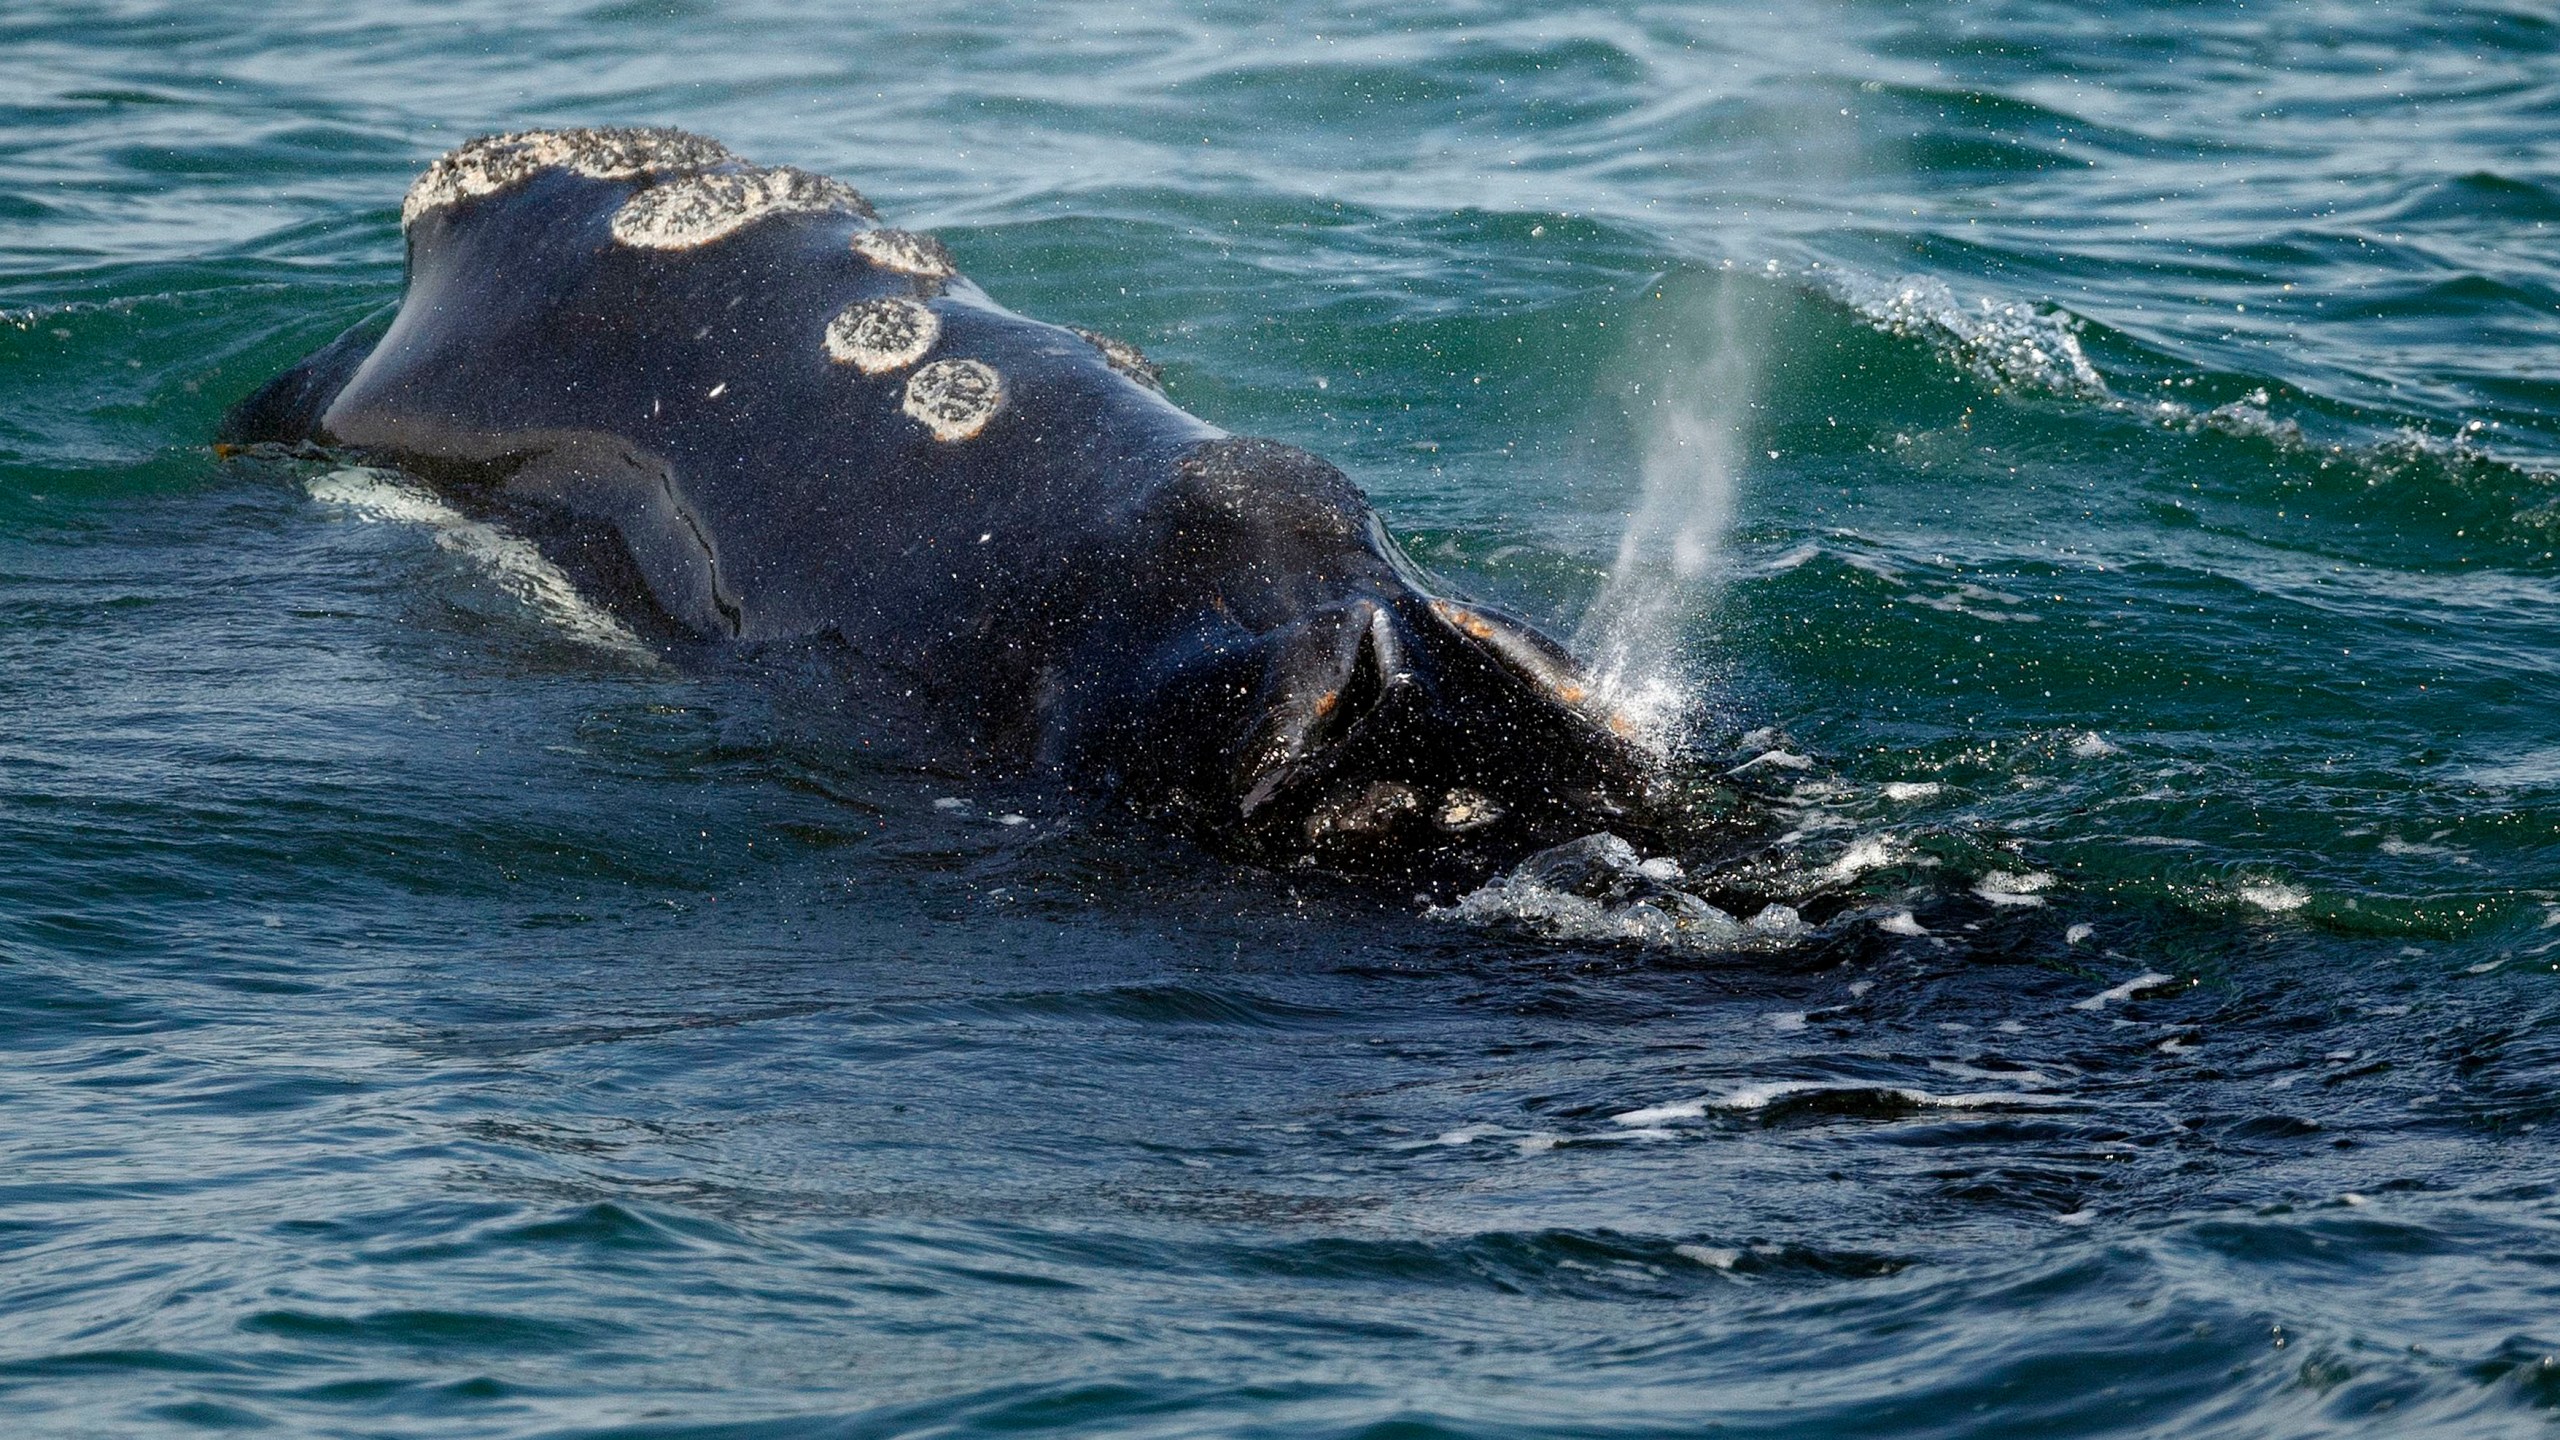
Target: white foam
column 1712, row 1256
column 2007, row 887
column 1873, row 852
column 2147, row 980
column 1900, row 922
column 511, row 560
column 1656, row 1115
column 1778, row 922
column 2093, row 746
column 1574, row 917
column 1599, row 888
column 1789, row 560
column 2274, row 896
column 2007, row 344
column 2032, row 1079
column 1905, row 791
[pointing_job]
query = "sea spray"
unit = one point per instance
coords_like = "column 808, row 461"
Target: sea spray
column 1693, row 406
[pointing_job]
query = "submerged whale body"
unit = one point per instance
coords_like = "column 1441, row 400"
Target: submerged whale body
column 744, row 413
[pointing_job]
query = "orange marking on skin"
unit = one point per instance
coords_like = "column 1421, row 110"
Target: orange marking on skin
column 1326, row 702
column 1571, row 694
column 1467, row 620
column 1622, row 725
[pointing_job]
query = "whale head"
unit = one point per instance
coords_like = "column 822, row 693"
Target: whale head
column 1324, row 707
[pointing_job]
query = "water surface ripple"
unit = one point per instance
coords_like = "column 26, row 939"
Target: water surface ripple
column 422, row 1015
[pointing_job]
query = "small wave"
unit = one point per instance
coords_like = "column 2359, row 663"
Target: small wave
column 2004, row 343
column 511, row 560
column 1791, row 1099
column 2147, row 980
column 2036, row 349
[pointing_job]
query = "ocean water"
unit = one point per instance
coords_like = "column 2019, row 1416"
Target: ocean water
column 2086, row 476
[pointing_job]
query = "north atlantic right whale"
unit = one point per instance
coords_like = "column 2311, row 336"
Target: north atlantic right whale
column 744, row 413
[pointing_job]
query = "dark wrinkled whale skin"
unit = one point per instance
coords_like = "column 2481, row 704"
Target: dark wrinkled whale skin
column 1093, row 584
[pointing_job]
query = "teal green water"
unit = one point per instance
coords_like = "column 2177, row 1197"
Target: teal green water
column 2122, row 445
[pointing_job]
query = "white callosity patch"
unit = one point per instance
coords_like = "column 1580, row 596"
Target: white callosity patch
column 878, row 336
column 698, row 209
column 1124, row 357
column 955, row 398
column 906, row 252
column 493, row 163
column 509, row 559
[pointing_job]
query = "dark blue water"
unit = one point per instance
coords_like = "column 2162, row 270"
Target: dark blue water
column 2120, row 444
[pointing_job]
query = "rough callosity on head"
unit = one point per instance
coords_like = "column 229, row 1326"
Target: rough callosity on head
column 879, row 336
column 493, row 163
column 1124, row 357
column 955, row 398
column 907, row 252
column 693, row 210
